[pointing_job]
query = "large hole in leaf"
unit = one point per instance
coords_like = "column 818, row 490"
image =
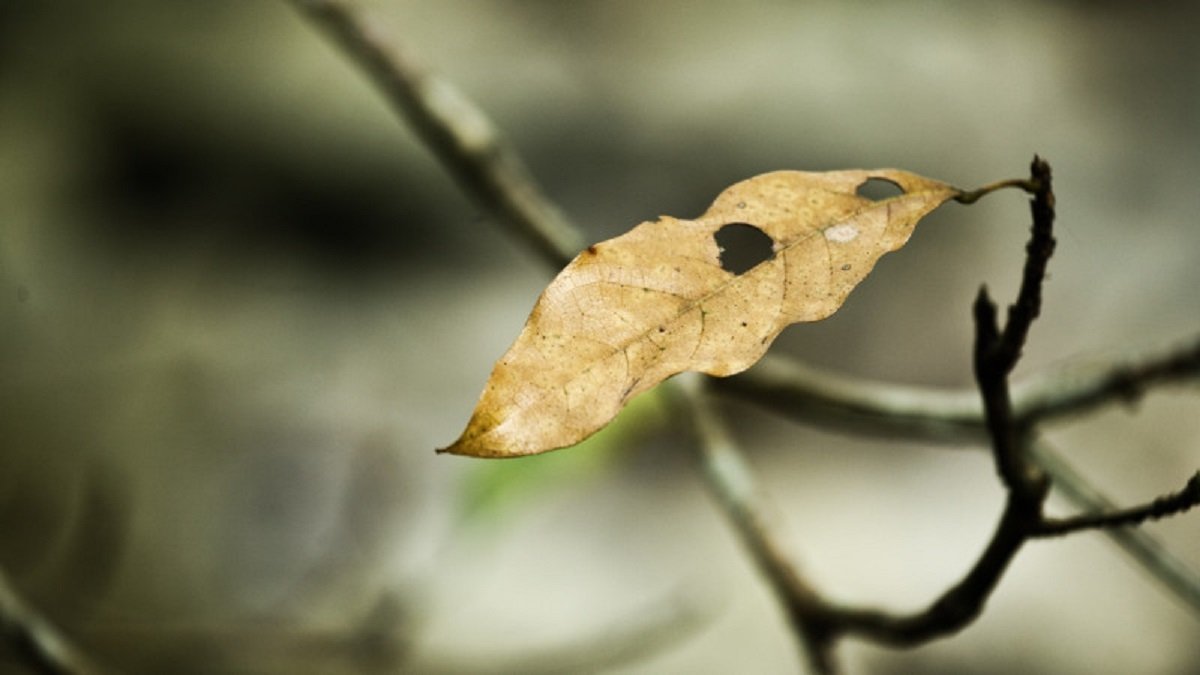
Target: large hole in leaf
column 743, row 246
column 876, row 189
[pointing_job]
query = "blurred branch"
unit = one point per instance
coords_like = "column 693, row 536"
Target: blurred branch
column 643, row 633
column 465, row 141
column 732, row 482
column 996, row 353
column 35, row 640
column 867, row 407
column 383, row 643
column 455, row 129
column 1071, row 393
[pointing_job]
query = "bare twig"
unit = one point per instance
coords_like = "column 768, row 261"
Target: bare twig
column 858, row 406
column 963, row 602
column 492, row 173
column 36, row 640
column 1168, row 569
column 869, row 407
column 996, row 352
column 752, row 514
column 456, row 130
column 1028, row 306
column 1078, row 390
column 1162, row 507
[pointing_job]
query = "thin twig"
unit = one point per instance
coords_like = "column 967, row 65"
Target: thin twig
column 858, row 406
column 1181, row 580
column 39, row 643
column 456, row 130
column 732, row 482
column 1078, row 390
column 1162, row 507
column 1040, row 248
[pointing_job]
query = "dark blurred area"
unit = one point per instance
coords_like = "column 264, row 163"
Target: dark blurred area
column 240, row 305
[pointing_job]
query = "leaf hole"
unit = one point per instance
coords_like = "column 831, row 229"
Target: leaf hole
column 743, row 246
column 876, row 189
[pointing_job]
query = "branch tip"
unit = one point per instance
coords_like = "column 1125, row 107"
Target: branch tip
column 1162, row 507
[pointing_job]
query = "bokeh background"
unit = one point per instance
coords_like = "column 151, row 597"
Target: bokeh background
column 240, row 305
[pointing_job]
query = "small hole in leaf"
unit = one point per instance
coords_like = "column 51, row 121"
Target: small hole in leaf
column 743, row 246
column 876, row 189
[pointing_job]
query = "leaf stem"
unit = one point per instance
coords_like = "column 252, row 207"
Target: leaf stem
column 1030, row 185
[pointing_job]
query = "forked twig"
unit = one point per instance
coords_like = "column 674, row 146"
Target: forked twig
column 521, row 206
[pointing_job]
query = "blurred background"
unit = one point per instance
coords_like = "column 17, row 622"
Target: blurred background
column 240, row 305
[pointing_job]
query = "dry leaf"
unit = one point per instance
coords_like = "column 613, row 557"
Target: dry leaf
column 632, row 311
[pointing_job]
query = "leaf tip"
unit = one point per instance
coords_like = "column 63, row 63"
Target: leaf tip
column 471, row 447
column 458, row 448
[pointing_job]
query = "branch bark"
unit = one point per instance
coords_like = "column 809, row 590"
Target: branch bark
column 458, row 133
column 38, row 642
column 1162, row 507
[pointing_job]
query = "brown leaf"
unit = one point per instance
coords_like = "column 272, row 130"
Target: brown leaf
column 632, row 311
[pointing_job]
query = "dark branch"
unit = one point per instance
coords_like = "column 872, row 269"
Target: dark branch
column 1126, row 382
column 867, row 407
column 992, row 365
column 1028, row 306
column 963, row 602
column 488, row 170
column 996, row 352
column 1162, row 507
column 1167, row 568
